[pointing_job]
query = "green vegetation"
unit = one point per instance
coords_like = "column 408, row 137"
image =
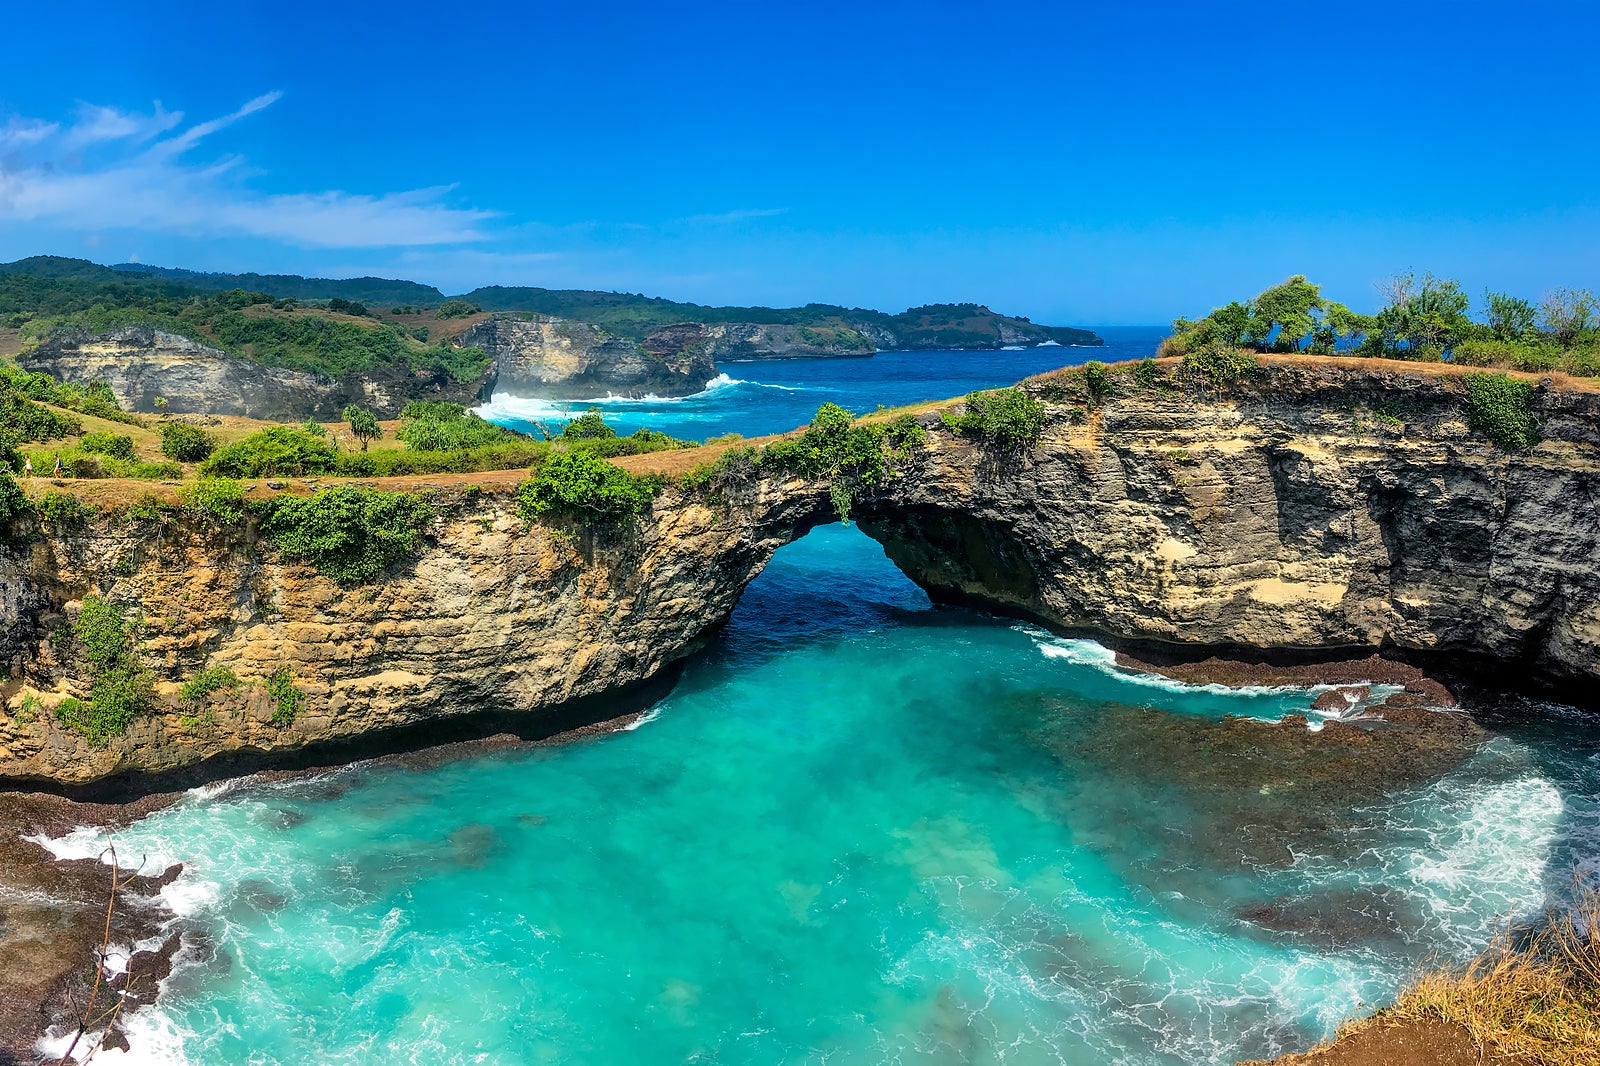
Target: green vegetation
column 277, row 451
column 1097, row 379
column 966, row 325
column 119, row 685
column 457, row 308
column 1424, row 319
column 218, row 501
column 1009, row 418
column 363, row 423
column 1217, row 366
column 350, row 534
column 591, row 425
column 80, row 464
column 582, row 485
column 112, row 445
column 431, row 426
column 13, row 504
column 63, row 510
column 286, row 697
column 211, row 679
column 850, row 453
column 1501, row 408
column 185, row 443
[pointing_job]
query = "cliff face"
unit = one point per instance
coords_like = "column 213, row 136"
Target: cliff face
column 1317, row 508
column 141, row 363
column 497, row 616
column 1323, row 507
column 555, row 358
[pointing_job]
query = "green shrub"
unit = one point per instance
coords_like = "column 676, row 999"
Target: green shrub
column 1146, row 374
column 13, row 504
column 734, row 469
column 639, row 442
column 119, row 685
column 185, row 443
column 1009, row 418
column 63, row 510
column 513, row 452
column 1217, row 366
column 215, row 500
column 1501, row 408
column 286, row 697
column 457, row 309
column 350, row 534
column 207, row 681
column 1097, row 379
column 431, row 426
column 584, row 486
column 112, row 444
column 277, row 451
column 589, row 425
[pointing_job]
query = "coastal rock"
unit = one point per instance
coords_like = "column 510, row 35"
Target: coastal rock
column 142, row 362
column 535, row 355
column 1265, row 517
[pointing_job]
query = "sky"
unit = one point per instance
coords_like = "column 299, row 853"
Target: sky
column 1079, row 163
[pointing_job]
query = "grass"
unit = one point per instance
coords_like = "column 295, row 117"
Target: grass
column 1533, row 994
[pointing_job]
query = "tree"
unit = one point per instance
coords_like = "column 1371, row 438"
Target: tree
column 1511, row 317
column 363, row 423
column 1423, row 318
column 591, row 425
column 161, row 405
column 1570, row 315
column 1284, row 315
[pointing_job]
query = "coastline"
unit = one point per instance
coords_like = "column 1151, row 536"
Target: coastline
column 52, row 909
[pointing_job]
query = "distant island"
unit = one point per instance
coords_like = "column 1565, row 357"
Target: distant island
column 200, row 342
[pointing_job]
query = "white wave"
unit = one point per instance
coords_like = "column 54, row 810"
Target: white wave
column 644, row 719
column 506, row 405
column 1048, row 344
column 1099, row 657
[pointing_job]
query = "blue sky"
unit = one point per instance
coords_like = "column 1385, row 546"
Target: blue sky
column 1079, row 163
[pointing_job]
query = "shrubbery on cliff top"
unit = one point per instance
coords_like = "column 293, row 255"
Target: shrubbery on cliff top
column 351, row 534
column 583, row 485
column 1007, row 418
column 1501, row 408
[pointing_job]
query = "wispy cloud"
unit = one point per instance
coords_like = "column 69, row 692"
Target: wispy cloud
column 111, row 169
column 738, row 215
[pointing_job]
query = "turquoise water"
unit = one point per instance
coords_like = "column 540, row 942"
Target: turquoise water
column 862, row 829
column 770, row 396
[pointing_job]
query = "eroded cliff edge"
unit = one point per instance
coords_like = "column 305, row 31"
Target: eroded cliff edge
column 1317, row 506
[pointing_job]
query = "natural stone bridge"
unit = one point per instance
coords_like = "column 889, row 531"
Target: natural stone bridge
column 1324, row 507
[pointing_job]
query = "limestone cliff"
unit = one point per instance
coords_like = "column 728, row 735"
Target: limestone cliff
column 1317, row 507
column 143, row 362
column 551, row 357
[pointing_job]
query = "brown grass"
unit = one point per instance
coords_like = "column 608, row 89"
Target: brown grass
column 1531, row 996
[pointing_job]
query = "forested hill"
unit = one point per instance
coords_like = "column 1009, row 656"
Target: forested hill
column 43, row 286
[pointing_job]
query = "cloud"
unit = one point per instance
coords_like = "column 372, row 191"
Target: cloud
column 96, row 124
column 112, row 169
column 738, row 215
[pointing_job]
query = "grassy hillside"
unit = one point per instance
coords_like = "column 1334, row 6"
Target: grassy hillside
column 631, row 315
column 43, row 294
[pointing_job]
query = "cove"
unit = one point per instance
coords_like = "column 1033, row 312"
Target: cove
column 862, row 829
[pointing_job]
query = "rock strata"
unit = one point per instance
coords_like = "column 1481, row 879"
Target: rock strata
column 536, row 355
column 1273, row 517
column 141, row 363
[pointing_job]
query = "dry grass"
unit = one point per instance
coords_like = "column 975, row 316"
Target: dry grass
column 1532, row 996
